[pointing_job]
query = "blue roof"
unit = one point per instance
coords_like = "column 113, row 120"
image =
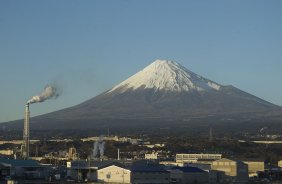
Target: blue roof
column 97, row 164
column 148, row 168
column 19, row 163
column 189, row 169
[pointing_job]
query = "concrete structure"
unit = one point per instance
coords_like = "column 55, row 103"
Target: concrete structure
column 234, row 171
column 6, row 152
column 280, row 163
column 193, row 158
column 254, row 167
column 188, row 175
column 151, row 156
column 25, row 146
column 80, row 170
column 117, row 172
column 72, row 155
column 114, row 174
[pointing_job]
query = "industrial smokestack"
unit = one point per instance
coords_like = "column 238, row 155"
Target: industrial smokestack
column 118, row 154
column 25, row 148
column 47, row 93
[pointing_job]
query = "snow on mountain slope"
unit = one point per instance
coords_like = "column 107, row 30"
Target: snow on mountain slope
column 168, row 76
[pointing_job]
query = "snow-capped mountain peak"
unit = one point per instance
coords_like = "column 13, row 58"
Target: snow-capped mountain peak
column 168, row 76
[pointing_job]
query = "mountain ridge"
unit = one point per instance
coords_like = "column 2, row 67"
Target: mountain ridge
column 164, row 91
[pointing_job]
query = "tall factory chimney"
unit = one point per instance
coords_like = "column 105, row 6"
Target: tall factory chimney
column 25, row 148
column 48, row 93
column 118, row 154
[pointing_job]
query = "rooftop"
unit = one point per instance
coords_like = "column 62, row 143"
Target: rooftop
column 19, row 163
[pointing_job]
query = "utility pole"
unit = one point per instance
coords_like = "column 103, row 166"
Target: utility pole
column 210, row 135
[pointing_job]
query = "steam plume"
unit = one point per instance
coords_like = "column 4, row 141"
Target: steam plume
column 95, row 149
column 99, row 147
column 48, row 92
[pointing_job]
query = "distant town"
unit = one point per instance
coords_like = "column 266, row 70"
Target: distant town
column 143, row 159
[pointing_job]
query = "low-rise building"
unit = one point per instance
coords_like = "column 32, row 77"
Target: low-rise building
column 72, row 154
column 149, row 174
column 254, row 167
column 280, row 163
column 114, row 173
column 193, row 158
column 6, row 152
column 151, row 156
column 23, row 169
column 188, row 175
column 234, row 171
column 81, row 170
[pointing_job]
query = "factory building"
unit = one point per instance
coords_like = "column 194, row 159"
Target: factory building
column 6, row 152
column 232, row 171
column 149, row 174
column 188, row 175
column 23, row 169
column 151, row 156
column 81, row 170
column 280, row 163
column 72, row 154
column 118, row 172
column 114, row 173
column 194, row 158
column 254, row 167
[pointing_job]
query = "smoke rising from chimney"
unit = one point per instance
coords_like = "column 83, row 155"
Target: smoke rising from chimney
column 99, row 147
column 48, row 93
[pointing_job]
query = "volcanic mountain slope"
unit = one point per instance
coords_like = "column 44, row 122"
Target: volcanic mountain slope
column 164, row 90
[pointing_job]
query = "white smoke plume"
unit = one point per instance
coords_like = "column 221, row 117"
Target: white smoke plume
column 99, row 147
column 48, row 92
column 95, row 149
column 102, row 149
column 263, row 129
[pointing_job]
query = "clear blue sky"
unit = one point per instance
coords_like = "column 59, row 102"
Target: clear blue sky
column 89, row 46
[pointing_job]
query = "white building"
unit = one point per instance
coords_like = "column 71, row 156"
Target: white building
column 193, row 158
column 254, row 167
column 138, row 173
column 6, row 152
column 233, row 170
column 280, row 163
column 113, row 174
column 151, row 156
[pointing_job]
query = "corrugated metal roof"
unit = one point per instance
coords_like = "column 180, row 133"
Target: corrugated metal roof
column 148, row 168
column 189, row 169
column 19, row 163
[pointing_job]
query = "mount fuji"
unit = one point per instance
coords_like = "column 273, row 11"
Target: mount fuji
column 166, row 76
column 162, row 94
